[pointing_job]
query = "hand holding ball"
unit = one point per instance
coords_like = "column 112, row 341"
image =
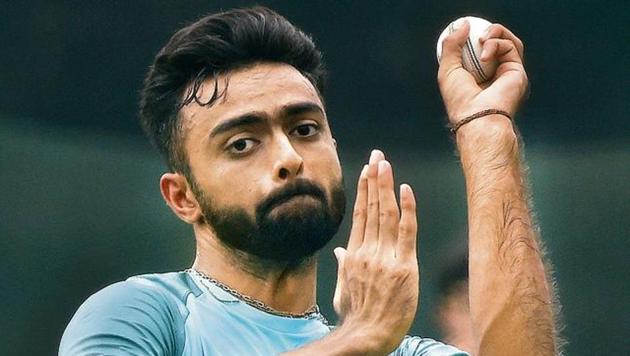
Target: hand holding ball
column 471, row 53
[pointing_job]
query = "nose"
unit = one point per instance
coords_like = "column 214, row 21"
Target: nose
column 288, row 163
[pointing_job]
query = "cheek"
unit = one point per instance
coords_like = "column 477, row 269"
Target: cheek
column 326, row 164
column 232, row 186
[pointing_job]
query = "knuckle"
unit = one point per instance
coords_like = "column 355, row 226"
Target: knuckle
column 491, row 31
column 365, row 263
column 379, row 268
column 385, row 267
column 448, row 41
column 409, row 204
column 497, row 27
column 359, row 213
column 388, row 214
column 406, row 230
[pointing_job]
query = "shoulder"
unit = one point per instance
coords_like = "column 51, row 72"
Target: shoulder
column 414, row 345
column 170, row 288
column 149, row 294
column 140, row 314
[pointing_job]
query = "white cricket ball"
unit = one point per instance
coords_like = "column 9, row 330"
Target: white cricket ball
column 471, row 53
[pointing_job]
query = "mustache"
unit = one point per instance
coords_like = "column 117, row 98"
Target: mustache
column 297, row 187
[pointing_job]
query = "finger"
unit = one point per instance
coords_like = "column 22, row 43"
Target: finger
column 501, row 50
column 370, row 236
column 451, row 59
column 453, row 43
column 340, row 255
column 499, row 31
column 359, row 214
column 408, row 227
column 388, row 210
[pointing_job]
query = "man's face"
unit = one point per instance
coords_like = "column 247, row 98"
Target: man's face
column 264, row 164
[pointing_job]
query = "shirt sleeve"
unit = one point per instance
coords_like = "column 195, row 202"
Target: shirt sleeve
column 125, row 318
column 419, row 346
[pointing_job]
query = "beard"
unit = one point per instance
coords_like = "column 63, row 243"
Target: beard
column 285, row 234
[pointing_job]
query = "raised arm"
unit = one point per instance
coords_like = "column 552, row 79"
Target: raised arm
column 510, row 296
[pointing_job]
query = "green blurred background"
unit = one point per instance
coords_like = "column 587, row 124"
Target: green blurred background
column 81, row 207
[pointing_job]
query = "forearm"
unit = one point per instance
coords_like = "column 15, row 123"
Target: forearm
column 510, row 297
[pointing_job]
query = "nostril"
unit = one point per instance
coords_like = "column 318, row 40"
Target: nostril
column 284, row 173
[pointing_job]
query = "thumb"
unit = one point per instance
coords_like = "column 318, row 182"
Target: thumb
column 340, row 254
column 452, row 45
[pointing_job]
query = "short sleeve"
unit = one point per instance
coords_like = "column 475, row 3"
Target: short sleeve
column 125, row 318
column 419, row 346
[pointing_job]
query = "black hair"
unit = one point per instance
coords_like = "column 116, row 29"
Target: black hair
column 211, row 46
column 452, row 274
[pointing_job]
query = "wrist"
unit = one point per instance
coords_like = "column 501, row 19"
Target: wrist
column 365, row 340
column 344, row 340
column 487, row 112
column 488, row 130
column 488, row 144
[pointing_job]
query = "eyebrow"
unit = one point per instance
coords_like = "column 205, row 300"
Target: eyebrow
column 239, row 121
column 256, row 117
column 304, row 107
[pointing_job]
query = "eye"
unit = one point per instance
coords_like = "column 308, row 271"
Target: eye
column 305, row 130
column 242, row 145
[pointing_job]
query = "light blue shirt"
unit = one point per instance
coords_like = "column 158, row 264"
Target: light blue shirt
column 181, row 314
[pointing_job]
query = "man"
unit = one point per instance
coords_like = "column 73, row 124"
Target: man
column 453, row 312
column 234, row 102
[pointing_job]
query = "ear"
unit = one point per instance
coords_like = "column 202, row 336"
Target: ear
column 180, row 198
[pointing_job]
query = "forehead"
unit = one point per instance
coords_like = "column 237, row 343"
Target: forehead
column 263, row 87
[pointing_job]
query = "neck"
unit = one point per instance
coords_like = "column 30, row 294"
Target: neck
column 288, row 287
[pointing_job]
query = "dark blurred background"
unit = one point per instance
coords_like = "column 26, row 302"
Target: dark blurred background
column 81, row 207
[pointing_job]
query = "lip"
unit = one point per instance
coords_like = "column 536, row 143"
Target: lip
column 296, row 197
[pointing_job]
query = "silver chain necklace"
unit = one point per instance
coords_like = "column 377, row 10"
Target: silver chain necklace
column 311, row 313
